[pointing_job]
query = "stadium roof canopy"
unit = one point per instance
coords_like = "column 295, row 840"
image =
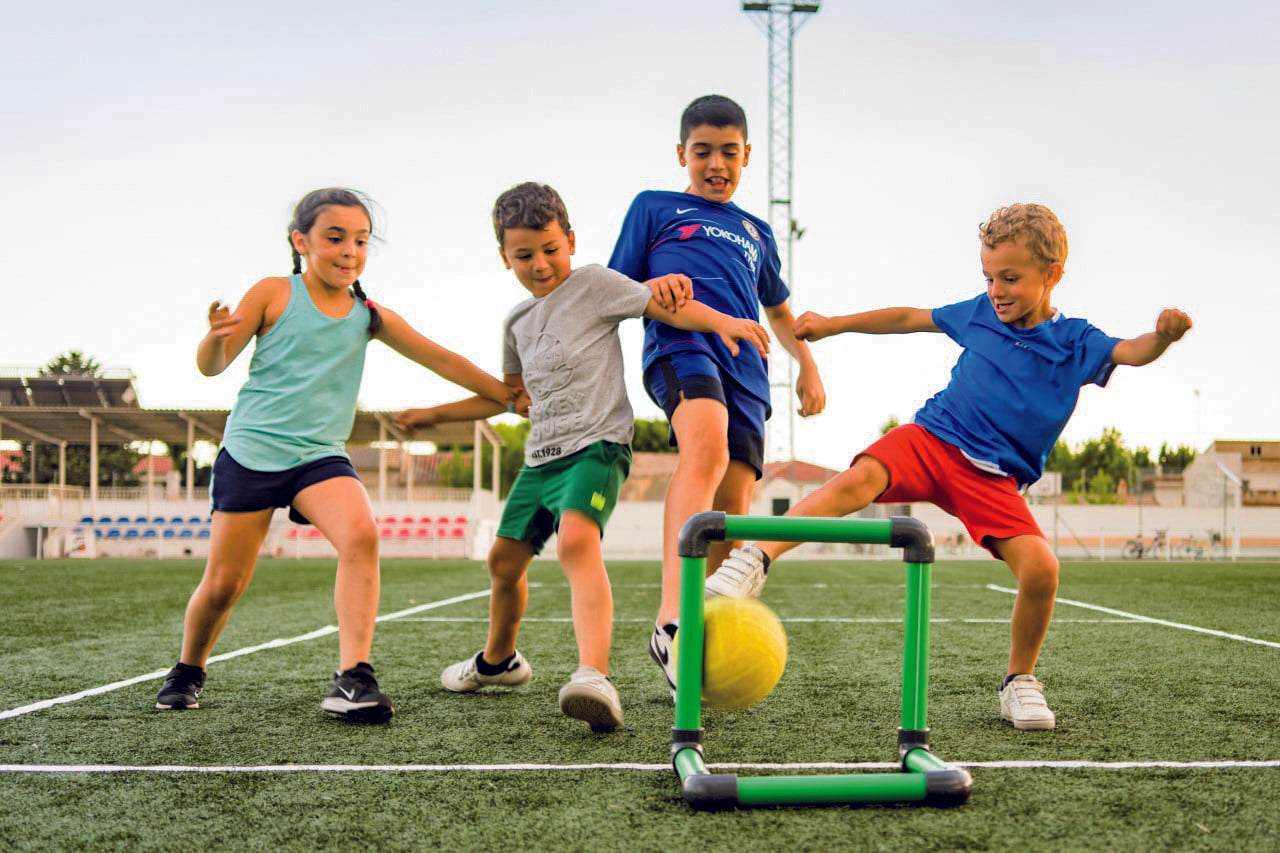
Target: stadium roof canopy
column 64, row 409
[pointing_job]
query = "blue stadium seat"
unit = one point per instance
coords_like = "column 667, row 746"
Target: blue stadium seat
column 186, row 533
column 169, row 533
column 86, row 519
column 131, row 533
column 106, row 519
column 203, row 534
column 97, row 534
column 113, row 533
column 149, row 533
column 177, row 519
column 124, row 519
column 159, row 519
column 195, row 519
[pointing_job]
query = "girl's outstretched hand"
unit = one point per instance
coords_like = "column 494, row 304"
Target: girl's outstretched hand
column 811, row 326
column 221, row 321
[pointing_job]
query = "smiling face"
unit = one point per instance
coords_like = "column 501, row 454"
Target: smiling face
column 538, row 256
column 1017, row 285
column 715, row 157
column 336, row 247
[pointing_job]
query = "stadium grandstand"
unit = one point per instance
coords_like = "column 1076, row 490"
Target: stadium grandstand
column 167, row 515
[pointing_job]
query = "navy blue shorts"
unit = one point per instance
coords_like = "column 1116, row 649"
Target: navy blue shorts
column 690, row 376
column 235, row 488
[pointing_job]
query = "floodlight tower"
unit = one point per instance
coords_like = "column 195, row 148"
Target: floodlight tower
column 780, row 21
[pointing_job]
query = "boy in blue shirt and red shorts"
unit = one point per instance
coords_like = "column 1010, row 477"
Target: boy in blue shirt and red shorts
column 974, row 444
column 717, row 404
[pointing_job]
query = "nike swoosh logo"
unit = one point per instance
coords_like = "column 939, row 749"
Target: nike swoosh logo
column 662, row 653
column 684, row 209
column 350, row 694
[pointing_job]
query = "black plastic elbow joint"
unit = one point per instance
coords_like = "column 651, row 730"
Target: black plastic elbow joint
column 911, row 535
column 701, row 528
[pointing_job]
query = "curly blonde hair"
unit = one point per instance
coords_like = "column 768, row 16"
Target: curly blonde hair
column 1032, row 226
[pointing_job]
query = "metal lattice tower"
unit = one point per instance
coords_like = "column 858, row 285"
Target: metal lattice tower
column 780, row 21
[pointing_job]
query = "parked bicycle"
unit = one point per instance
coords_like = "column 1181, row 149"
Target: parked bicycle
column 1138, row 547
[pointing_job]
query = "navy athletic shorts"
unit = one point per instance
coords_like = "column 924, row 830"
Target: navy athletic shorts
column 691, row 375
column 235, row 488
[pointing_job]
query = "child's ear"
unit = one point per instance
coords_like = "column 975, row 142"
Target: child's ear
column 299, row 241
column 571, row 242
column 746, row 152
column 503, row 254
column 680, row 154
column 1054, row 274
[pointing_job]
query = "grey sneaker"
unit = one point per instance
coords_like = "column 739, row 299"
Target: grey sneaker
column 660, row 642
column 741, row 575
column 1022, row 703
column 464, row 677
column 591, row 696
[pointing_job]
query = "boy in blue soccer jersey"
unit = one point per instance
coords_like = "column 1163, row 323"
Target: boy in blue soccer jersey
column 716, row 404
column 974, row 444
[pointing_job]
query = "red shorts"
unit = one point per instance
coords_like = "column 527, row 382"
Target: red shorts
column 923, row 467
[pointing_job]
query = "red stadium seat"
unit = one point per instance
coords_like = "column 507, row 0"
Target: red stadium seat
column 422, row 533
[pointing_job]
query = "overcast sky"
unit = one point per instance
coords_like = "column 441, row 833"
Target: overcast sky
column 151, row 154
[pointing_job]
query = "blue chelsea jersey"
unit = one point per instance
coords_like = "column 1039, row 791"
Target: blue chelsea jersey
column 1013, row 390
column 729, row 254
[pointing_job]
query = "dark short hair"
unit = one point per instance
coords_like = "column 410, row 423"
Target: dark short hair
column 715, row 110
column 528, row 205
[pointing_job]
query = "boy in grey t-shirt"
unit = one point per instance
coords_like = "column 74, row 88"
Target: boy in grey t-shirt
column 561, row 347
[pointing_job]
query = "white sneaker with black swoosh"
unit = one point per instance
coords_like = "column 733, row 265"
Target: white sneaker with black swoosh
column 354, row 696
column 660, row 650
column 465, row 676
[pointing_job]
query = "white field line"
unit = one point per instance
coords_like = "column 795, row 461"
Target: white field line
column 499, row 768
column 838, row 620
column 271, row 644
column 1181, row 625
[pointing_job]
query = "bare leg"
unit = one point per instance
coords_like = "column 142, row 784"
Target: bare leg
column 234, row 542
column 733, row 497
column 702, row 428
column 583, row 564
column 509, row 593
column 847, row 492
column 339, row 508
column 1036, row 568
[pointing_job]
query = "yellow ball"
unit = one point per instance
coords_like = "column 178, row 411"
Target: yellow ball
column 744, row 652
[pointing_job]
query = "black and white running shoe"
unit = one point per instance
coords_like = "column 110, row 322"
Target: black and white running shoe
column 354, row 696
column 182, row 688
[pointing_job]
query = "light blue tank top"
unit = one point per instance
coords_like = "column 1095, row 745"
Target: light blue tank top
column 300, row 401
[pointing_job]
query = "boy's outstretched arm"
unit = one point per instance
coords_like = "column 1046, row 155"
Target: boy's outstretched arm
column 404, row 339
column 696, row 317
column 470, row 409
column 809, row 388
column 1171, row 325
column 882, row 321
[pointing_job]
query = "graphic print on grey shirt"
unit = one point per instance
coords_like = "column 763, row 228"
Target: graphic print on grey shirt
column 565, row 346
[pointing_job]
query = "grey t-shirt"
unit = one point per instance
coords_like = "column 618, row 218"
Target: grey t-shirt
column 565, row 346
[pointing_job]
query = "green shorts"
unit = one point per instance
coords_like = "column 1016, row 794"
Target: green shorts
column 587, row 481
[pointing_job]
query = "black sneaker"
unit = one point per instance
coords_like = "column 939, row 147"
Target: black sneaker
column 182, row 688
column 355, row 697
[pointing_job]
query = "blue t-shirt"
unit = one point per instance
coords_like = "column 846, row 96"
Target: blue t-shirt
column 1012, row 390
column 729, row 254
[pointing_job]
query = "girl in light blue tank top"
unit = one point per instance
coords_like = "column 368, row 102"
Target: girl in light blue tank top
column 284, row 443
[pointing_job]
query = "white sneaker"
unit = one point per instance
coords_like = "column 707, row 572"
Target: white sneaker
column 1022, row 703
column 464, row 677
column 591, row 696
column 741, row 575
column 660, row 650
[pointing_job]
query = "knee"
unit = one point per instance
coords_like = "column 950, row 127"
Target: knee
column 705, row 452
column 223, row 589
column 1038, row 575
column 576, row 540
column 505, row 570
column 360, row 539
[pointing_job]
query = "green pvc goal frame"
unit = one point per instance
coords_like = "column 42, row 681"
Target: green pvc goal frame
column 923, row 780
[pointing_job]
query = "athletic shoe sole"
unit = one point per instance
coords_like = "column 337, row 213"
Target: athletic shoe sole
column 355, row 712
column 586, row 704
